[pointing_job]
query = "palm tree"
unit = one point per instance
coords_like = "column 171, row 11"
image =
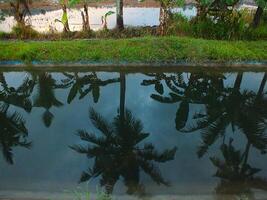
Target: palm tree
column 117, row 152
column 86, row 84
column 13, row 133
column 45, row 97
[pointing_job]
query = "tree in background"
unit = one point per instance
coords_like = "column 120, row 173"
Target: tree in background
column 84, row 13
column 165, row 13
column 119, row 14
column 64, row 19
column 218, row 9
column 20, row 9
column 259, row 12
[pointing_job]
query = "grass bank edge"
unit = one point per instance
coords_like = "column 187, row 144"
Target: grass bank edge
column 168, row 49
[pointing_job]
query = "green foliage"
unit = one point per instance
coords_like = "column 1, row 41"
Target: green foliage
column 64, row 18
column 73, row 3
column 22, row 32
column 179, row 25
column 147, row 49
column 172, row 3
column 259, row 33
column 234, row 26
column 261, row 3
column 86, row 195
column 109, row 13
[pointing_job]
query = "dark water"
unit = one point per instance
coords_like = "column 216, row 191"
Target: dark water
column 144, row 135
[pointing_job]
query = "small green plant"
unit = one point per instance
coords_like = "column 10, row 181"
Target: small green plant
column 80, row 194
column 104, row 19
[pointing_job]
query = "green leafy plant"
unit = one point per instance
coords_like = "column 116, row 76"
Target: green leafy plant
column 104, row 19
column 64, row 18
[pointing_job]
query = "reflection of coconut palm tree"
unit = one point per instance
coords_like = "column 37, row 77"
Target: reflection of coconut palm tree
column 245, row 110
column 12, row 132
column 237, row 176
column 45, row 97
column 86, row 84
column 197, row 90
column 20, row 96
column 117, row 152
column 12, row 126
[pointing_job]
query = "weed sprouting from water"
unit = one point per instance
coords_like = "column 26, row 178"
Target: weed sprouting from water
column 80, row 194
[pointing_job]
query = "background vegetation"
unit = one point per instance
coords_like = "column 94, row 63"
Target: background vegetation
column 215, row 19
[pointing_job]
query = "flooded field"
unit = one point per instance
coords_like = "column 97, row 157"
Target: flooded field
column 152, row 135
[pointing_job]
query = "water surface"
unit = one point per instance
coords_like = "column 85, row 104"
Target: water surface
column 160, row 135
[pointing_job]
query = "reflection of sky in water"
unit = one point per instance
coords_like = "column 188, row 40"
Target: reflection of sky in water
column 51, row 165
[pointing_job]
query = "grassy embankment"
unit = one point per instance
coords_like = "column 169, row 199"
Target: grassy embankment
column 143, row 50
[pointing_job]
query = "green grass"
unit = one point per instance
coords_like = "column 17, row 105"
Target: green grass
column 146, row 49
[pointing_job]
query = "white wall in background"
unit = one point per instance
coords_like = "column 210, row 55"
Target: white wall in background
column 132, row 17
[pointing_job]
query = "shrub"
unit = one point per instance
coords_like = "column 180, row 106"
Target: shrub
column 234, row 26
column 259, row 33
column 179, row 25
column 230, row 27
column 24, row 32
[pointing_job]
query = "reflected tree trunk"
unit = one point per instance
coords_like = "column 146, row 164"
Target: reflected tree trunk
column 238, row 80
column 262, row 85
column 245, row 157
column 122, row 97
